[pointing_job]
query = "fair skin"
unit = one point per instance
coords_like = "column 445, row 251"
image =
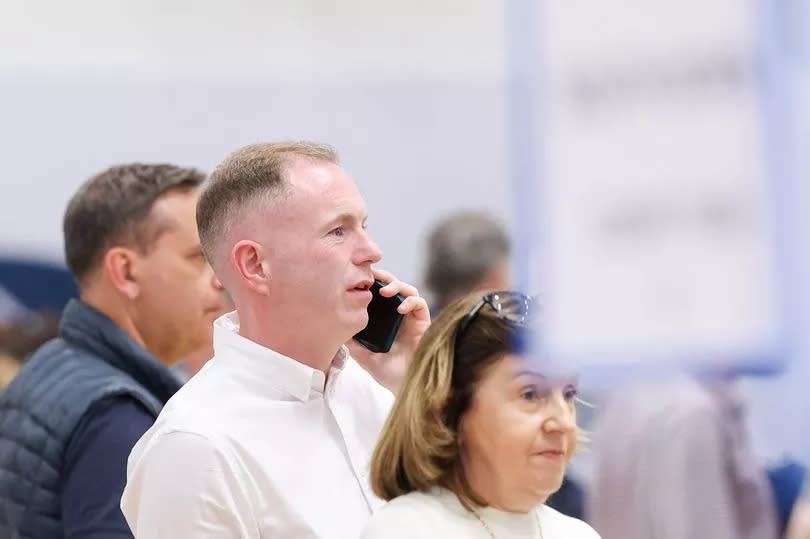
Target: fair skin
column 299, row 268
column 197, row 359
column 167, row 297
column 518, row 435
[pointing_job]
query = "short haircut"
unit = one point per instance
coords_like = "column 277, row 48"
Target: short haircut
column 113, row 208
column 461, row 250
column 248, row 174
column 419, row 446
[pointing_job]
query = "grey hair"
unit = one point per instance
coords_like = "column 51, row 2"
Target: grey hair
column 461, row 250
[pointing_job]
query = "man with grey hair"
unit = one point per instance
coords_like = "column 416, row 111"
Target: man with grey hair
column 466, row 251
column 274, row 437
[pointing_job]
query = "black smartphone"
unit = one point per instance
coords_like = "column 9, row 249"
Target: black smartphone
column 383, row 321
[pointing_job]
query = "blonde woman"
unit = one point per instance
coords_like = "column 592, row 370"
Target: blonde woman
column 479, row 436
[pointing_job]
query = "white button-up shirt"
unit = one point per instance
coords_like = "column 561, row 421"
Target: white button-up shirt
column 259, row 445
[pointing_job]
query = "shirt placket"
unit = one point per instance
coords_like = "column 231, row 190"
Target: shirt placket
column 358, row 455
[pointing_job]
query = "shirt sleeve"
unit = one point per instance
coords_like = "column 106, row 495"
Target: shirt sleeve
column 94, row 468
column 183, row 486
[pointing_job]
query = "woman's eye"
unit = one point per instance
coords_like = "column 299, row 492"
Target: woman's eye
column 529, row 394
column 337, row 231
column 570, row 393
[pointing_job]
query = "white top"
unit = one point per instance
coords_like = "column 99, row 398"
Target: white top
column 438, row 515
column 259, row 445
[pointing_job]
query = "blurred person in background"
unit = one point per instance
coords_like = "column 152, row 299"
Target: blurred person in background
column 466, row 251
column 20, row 338
column 480, row 435
column 273, row 437
column 469, row 251
column 9, row 367
column 76, row 408
column 673, row 460
column 12, row 311
column 29, row 312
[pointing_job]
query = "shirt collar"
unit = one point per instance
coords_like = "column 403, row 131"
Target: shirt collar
column 282, row 372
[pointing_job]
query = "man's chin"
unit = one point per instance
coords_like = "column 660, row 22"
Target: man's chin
column 357, row 324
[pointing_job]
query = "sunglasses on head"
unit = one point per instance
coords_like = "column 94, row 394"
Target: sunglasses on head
column 513, row 307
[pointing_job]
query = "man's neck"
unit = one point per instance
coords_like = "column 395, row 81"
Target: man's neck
column 102, row 304
column 310, row 349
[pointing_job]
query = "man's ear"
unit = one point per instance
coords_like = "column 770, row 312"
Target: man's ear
column 120, row 265
column 251, row 265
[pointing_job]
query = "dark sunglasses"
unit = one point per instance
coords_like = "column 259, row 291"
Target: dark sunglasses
column 513, row 307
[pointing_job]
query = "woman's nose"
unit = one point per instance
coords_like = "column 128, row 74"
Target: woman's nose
column 561, row 414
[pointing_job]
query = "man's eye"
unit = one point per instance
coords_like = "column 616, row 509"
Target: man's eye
column 337, row 231
column 571, row 393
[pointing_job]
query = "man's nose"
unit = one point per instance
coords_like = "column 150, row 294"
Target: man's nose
column 368, row 251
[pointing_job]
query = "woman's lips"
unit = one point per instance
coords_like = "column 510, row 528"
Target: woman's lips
column 552, row 454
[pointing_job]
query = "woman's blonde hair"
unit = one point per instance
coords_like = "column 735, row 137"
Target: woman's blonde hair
column 419, row 446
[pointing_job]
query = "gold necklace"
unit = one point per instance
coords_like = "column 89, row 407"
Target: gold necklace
column 492, row 534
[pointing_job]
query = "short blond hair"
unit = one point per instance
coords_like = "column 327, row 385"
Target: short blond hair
column 246, row 175
column 419, row 446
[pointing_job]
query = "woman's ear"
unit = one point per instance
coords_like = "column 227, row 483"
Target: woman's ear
column 121, row 267
column 252, row 267
column 460, row 433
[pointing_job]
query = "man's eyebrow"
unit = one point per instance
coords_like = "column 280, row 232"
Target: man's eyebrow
column 347, row 216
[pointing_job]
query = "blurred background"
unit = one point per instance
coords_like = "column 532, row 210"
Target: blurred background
column 411, row 95
column 532, row 115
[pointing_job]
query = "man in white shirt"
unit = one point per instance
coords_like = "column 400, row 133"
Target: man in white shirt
column 273, row 437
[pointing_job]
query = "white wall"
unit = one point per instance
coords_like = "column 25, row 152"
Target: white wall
column 411, row 94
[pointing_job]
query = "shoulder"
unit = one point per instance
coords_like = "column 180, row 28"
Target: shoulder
column 559, row 526
column 404, row 516
column 194, row 422
column 179, row 450
column 412, row 502
column 199, row 408
column 58, row 365
column 191, row 428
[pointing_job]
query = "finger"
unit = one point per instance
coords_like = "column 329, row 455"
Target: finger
column 399, row 287
column 415, row 306
column 384, row 276
column 394, row 286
